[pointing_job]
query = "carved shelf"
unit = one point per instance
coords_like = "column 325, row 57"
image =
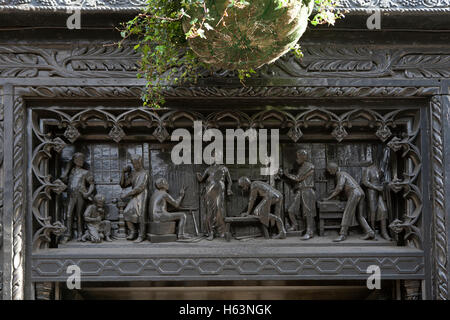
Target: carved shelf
column 252, row 261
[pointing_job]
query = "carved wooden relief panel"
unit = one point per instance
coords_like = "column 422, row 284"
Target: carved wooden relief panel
column 388, row 138
column 382, row 107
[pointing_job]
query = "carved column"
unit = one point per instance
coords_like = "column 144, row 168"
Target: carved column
column 13, row 197
column 446, row 179
column 1, row 193
column 439, row 149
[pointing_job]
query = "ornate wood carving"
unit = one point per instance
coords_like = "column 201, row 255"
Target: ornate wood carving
column 98, row 60
column 18, row 213
column 439, row 205
column 382, row 125
column 361, row 62
column 291, row 266
column 1, row 192
column 410, row 187
column 339, row 123
column 394, row 5
column 298, row 91
column 113, row 5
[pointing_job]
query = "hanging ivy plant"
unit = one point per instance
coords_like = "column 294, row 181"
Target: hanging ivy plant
column 178, row 38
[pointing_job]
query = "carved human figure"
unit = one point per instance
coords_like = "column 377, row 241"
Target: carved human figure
column 98, row 229
column 377, row 205
column 80, row 186
column 134, row 213
column 305, row 196
column 270, row 197
column 158, row 207
column 355, row 196
column 218, row 180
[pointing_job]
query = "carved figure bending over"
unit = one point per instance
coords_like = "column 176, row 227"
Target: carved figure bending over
column 80, row 186
column 304, row 203
column 377, row 205
column 135, row 211
column 218, row 180
column 97, row 228
column 270, row 197
column 355, row 196
column 158, row 207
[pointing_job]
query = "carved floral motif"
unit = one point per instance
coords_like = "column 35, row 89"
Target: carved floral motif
column 104, row 60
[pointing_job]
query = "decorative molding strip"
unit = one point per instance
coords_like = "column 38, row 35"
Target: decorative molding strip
column 224, row 92
column 223, row 268
column 397, row 5
column 81, row 92
column 439, row 206
column 134, row 5
column 100, row 60
column 362, row 62
column 63, row 5
column 297, row 91
column 97, row 61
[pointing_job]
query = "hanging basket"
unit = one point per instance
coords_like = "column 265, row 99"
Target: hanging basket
column 252, row 36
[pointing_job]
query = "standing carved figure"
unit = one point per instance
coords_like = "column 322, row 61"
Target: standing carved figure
column 135, row 211
column 218, row 180
column 158, row 207
column 97, row 228
column 80, row 186
column 270, row 197
column 355, row 204
column 377, row 205
column 305, row 196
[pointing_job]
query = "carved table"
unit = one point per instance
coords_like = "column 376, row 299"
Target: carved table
column 247, row 219
column 329, row 211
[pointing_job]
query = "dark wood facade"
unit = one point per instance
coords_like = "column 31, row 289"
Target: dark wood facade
column 354, row 90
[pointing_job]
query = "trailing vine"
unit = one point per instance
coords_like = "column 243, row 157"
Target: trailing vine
column 162, row 38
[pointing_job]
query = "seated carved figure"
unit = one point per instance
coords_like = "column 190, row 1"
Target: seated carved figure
column 158, row 206
column 270, row 197
column 97, row 228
